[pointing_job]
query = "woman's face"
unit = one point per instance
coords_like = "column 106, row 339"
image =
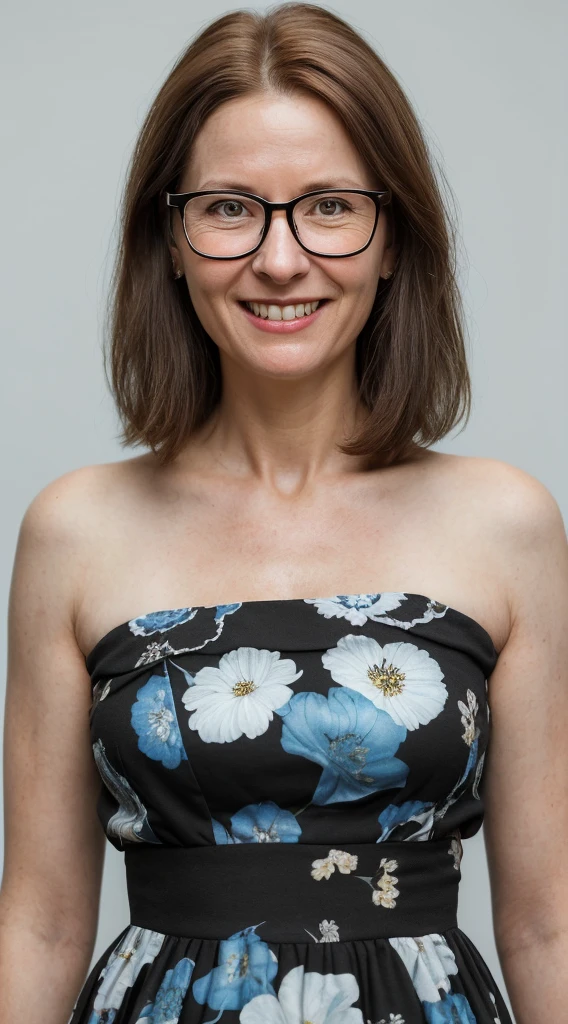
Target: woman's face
column 279, row 147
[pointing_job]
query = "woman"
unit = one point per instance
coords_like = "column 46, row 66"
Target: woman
column 199, row 656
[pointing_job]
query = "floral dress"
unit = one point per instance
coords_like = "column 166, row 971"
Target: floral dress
column 290, row 782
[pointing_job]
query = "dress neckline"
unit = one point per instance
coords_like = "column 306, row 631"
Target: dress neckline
column 278, row 602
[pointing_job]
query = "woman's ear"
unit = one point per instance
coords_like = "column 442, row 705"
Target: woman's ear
column 173, row 247
column 177, row 266
column 389, row 261
column 391, row 250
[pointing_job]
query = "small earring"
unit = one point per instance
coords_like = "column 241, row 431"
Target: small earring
column 388, row 274
column 178, row 273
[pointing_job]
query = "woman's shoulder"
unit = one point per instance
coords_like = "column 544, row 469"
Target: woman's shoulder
column 506, row 513
column 84, row 487
column 510, row 495
column 66, row 520
column 501, row 495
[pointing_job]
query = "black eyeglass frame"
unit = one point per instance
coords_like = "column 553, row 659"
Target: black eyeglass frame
column 180, row 199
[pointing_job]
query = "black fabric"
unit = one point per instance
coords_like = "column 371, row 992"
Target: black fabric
column 167, row 887
column 291, row 782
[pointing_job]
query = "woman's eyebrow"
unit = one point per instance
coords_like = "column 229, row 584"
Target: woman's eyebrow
column 309, row 187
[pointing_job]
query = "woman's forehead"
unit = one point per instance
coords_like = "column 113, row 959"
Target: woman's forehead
column 262, row 138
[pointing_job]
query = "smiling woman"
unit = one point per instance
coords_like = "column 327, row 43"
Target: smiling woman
column 278, row 267
column 307, row 85
column 288, row 758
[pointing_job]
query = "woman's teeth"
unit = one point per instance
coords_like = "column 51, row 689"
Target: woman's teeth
column 282, row 312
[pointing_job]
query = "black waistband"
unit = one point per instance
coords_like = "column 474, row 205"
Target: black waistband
column 298, row 891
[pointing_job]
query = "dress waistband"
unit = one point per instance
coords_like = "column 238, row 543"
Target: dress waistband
column 298, row 891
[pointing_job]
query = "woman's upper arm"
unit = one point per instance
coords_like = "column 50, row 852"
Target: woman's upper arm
column 526, row 785
column 54, row 844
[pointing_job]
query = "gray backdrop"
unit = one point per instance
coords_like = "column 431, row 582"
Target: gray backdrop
column 488, row 81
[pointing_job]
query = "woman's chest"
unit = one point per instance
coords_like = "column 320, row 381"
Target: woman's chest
column 333, row 705
column 341, row 541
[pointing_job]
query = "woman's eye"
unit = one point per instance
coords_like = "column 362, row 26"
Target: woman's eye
column 327, row 206
column 229, row 208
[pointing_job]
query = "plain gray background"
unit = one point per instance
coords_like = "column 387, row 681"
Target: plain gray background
column 488, row 81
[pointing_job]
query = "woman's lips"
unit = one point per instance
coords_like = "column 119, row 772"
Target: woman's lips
column 282, row 326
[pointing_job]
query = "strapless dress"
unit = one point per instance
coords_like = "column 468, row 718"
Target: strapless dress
column 290, row 782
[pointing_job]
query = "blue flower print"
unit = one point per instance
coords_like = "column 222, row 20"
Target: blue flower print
column 246, row 969
column 264, row 823
column 221, row 835
column 160, row 622
column 453, row 1008
column 225, row 609
column 357, row 608
column 396, row 815
column 167, row 1005
column 154, row 719
column 188, row 676
column 105, row 1017
column 351, row 739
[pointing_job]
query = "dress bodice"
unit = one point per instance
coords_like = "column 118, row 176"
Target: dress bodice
column 353, row 718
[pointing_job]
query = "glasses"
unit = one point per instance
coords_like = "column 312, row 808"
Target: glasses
column 326, row 222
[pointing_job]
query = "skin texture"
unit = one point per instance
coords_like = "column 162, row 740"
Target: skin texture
column 260, row 504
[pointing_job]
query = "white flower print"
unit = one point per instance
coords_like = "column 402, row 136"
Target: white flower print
column 478, row 776
column 468, row 717
column 307, row 997
column 497, row 1019
column 325, row 866
column 399, row 678
column 384, row 894
column 329, row 932
column 456, row 851
column 429, row 962
column 138, row 947
column 394, row 1018
column 155, row 652
column 130, row 821
column 357, row 608
column 100, row 691
column 240, row 695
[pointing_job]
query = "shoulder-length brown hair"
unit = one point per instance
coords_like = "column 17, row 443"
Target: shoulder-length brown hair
column 410, row 356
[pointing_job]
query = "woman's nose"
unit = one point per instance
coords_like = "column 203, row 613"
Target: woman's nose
column 280, row 255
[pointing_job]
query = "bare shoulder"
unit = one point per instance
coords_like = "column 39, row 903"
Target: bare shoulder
column 70, row 502
column 518, row 507
column 62, row 526
column 58, row 514
column 512, row 496
column 529, row 533
column 522, row 526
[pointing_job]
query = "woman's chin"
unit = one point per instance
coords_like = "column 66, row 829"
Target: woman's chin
column 281, row 360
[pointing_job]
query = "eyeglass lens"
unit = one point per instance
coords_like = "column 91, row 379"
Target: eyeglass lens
column 333, row 224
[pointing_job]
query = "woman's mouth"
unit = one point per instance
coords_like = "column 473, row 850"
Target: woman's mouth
column 282, row 318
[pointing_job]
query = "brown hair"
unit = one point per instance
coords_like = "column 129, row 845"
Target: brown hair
column 410, row 356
